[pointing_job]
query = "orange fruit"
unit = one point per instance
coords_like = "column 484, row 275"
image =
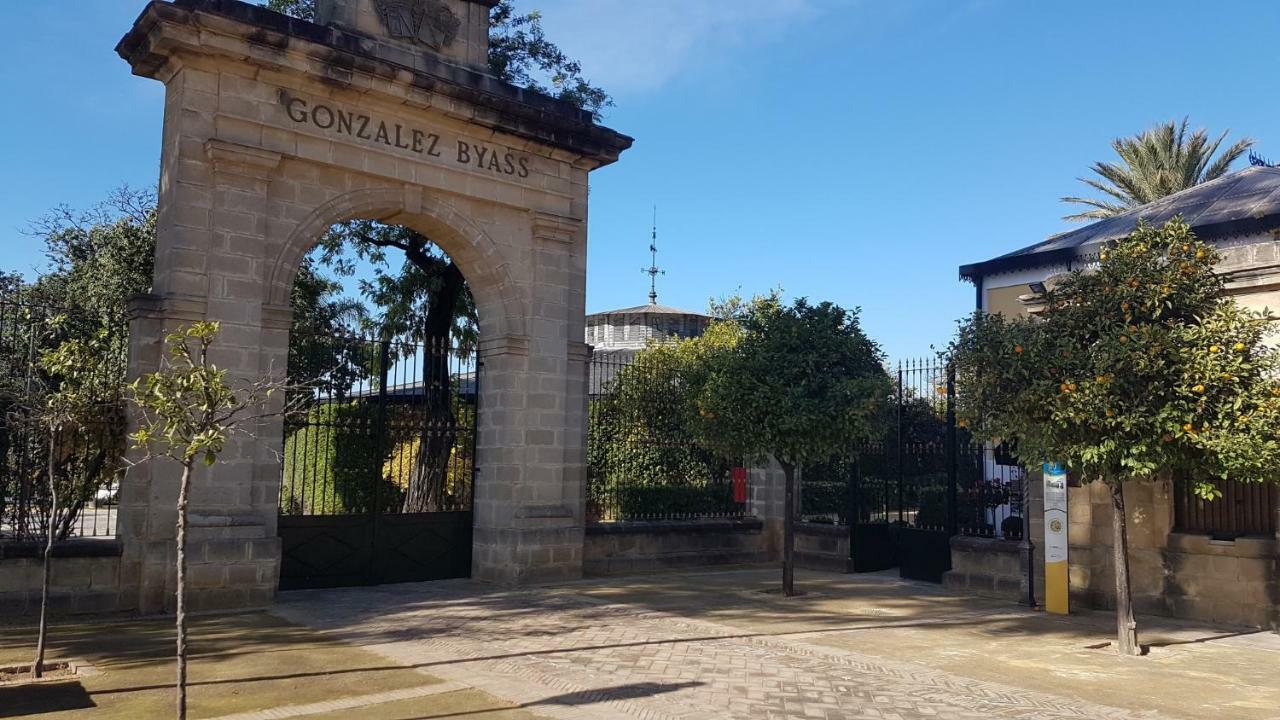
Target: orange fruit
column 1239, row 347
column 1214, row 349
column 1017, row 349
column 1198, row 388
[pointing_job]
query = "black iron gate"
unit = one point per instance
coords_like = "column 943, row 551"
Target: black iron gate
column 378, row 466
column 903, row 497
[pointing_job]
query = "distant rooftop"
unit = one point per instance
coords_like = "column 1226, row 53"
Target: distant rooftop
column 652, row 309
column 1242, row 203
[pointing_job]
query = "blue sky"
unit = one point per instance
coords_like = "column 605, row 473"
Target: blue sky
column 851, row 150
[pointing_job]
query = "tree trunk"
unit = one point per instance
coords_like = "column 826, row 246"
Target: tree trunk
column 789, row 531
column 425, row 491
column 1126, row 626
column 184, row 489
column 37, row 667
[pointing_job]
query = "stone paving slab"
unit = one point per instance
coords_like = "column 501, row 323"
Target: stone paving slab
column 573, row 657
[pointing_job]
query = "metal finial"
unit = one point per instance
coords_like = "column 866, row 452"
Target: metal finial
column 653, row 271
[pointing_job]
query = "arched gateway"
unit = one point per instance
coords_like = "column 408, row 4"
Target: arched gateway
column 276, row 128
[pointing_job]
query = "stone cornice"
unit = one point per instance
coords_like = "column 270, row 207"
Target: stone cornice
column 557, row 228
column 277, row 317
column 578, row 351
column 235, row 159
column 517, row 345
column 182, row 308
column 257, row 36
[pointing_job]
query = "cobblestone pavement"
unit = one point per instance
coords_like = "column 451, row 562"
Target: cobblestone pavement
column 563, row 655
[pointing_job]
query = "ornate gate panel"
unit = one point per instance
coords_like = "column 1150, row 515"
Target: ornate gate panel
column 379, row 464
column 903, row 497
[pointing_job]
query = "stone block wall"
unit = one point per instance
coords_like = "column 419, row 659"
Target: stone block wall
column 87, row 578
column 823, row 547
column 1235, row 582
column 639, row 547
column 990, row 567
column 1191, row 576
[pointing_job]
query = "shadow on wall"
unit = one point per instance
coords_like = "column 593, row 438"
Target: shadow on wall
column 1275, row 596
column 1172, row 566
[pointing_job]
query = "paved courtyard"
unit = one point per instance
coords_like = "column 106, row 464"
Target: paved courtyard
column 721, row 644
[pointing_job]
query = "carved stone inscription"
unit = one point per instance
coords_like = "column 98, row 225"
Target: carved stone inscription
column 429, row 22
column 420, row 141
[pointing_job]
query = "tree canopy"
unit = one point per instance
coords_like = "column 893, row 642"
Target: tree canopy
column 802, row 383
column 1153, row 164
column 643, row 458
column 519, row 53
column 1139, row 366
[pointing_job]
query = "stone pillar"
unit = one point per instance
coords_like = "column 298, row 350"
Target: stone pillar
column 530, row 491
column 211, row 234
column 767, row 485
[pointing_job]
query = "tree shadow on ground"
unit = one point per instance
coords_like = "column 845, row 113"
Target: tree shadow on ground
column 20, row 700
column 633, row 691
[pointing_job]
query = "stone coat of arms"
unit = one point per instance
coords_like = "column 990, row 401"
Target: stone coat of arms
column 429, row 22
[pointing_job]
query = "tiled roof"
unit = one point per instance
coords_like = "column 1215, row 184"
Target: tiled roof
column 1242, row 203
column 650, row 309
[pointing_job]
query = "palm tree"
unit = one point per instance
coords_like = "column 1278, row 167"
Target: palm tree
column 1158, row 162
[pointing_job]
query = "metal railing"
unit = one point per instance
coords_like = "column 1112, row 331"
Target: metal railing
column 923, row 472
column 85, row 455
column 1243, row 509
column 385, row 426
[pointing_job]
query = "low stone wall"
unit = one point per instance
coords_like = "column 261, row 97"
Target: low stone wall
column 637, row 547
column 1233, row 582
column 989, row 567
column 823, row 547
column 1236, row 582
column 87, row 577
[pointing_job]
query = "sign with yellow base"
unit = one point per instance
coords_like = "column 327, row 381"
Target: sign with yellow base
column 1056, row 582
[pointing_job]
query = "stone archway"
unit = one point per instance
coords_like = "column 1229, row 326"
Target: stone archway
column 275, row 129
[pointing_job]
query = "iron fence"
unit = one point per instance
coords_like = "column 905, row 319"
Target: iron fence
column 923, row 471
column 1244, row 509
column 82, row 457
column 384, row 427
column 643, row 463
column 869, row 484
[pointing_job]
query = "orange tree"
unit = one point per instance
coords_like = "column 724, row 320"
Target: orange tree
column 801, row 384
column 1137, row 367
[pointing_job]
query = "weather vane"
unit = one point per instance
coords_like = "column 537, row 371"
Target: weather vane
column 653, row 271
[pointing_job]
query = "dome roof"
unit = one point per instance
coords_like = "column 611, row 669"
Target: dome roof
column 651, row 309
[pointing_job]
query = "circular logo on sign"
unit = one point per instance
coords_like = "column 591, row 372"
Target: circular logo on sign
column 1055, row 525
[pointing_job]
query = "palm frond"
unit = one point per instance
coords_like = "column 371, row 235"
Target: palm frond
column 1156, row 163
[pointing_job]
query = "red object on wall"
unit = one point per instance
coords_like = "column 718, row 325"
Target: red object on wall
column 739, row 484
